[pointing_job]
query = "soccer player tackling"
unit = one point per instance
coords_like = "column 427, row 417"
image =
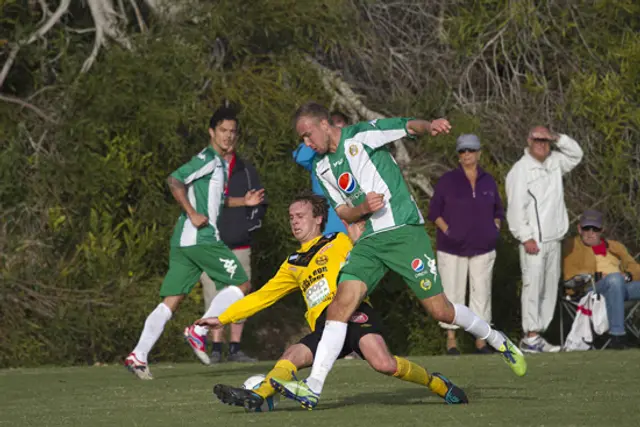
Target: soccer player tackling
column 198, row 187
column 364, row 183
column 313, row 269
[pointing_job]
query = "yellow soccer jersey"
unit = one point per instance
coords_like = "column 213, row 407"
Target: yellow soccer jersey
column 313, row 269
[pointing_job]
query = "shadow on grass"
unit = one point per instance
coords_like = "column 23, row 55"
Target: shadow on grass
column 408, row 397
column 217, row 371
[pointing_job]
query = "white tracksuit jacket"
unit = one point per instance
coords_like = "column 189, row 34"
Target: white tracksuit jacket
column 536, row 210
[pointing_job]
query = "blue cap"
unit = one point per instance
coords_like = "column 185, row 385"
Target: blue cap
column 468, row 141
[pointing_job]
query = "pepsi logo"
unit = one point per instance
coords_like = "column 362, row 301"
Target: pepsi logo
column 347, row 182
column 417, row 265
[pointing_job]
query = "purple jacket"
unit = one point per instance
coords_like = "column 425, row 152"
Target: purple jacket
column 470, row 216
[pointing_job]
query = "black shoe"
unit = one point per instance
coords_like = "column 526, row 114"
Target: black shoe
column 455, row 395
column 453, row 351
column 484, row 350
column 238, row 396
column 618, row 342
column 240, row 356
column 216, row 357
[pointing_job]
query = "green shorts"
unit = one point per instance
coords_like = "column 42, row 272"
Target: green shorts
column 187, row 263
column 405, row 250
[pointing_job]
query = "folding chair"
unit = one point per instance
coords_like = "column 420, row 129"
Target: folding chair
column 570, row 293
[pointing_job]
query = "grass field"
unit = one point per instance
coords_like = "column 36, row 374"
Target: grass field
column 576, row 389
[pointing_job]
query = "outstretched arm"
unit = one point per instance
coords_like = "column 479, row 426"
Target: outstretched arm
column 421, row 127
column 282, row 284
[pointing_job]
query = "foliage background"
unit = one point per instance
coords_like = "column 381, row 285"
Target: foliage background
column 86, row 216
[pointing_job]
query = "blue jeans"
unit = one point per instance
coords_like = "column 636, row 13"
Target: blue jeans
column 616, row 292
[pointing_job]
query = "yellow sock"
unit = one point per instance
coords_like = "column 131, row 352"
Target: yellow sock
column 283, row 370
column 414, row 373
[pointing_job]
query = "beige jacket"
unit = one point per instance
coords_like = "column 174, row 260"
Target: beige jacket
column 580, row 259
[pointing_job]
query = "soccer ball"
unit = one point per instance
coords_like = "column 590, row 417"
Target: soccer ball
column 253, row 383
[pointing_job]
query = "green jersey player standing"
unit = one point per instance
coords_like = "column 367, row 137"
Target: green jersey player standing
column 199, row 188
column 364, row 184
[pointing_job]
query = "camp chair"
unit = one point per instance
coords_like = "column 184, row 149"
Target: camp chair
column 575, row 288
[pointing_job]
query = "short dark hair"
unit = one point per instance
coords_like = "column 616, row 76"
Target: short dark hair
column 222, row 114
column 340, row 114
column 319, row 205
column 311, row 109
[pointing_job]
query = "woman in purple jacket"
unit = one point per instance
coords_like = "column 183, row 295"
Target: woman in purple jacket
column 467, row 210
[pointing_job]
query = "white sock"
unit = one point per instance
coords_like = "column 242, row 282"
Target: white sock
column 327, row 353
column 219, row 304
column 476, row 326
column 153, row 327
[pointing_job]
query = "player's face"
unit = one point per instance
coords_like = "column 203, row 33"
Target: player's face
column 314, row 133
column 224, row 136
column 304, row 225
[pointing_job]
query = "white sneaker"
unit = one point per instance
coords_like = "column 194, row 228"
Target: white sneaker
column 538, row 344
column 138, row 368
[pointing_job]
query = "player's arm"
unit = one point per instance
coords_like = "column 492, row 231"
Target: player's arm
column 378, row 133
column 179, row 193
column 196, row 168
column 251, row 198
column 355, row 230
column 281, row 285
column 352, row 214
column 421, row 127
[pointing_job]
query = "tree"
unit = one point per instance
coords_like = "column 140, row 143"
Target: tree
column 102, row 99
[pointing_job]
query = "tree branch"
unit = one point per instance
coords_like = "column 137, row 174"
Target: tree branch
column 348, row 99
column 55, row 17
column 23, row 103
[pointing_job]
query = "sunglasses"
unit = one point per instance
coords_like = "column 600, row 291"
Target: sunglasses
column 467, row 150
column 591, row 228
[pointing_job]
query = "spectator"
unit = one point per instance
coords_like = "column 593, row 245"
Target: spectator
column 304, row 156
column 467, row 209
column 236, row 226
column 616, row 272
column 538, row 219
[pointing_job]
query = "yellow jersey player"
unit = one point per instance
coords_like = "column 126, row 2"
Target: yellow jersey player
column 313, row 269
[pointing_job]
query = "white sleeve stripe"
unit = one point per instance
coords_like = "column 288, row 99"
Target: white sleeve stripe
column 206, row 169
column 331, row 187
column 377, row 138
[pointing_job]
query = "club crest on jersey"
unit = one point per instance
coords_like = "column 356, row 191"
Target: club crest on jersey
column 347, row 182
column 417, row 265
column 353, row 150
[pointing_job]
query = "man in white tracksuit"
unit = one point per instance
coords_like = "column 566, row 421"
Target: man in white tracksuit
column 537, row 217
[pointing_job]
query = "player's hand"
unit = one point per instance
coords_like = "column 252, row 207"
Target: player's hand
column 439, row 126
column 198, row 220
column 211, row 322
column 531, row 247
column 354, row 230
column 543, row 134
column 254, row 197
column 373, row 202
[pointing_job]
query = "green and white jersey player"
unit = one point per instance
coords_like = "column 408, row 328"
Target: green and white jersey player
column 364, row 183
column 199, row 188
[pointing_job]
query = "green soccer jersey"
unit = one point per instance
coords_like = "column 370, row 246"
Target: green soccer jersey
column 205, row 177
column 361, row 164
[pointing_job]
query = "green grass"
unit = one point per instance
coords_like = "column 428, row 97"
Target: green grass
column 575, row 389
